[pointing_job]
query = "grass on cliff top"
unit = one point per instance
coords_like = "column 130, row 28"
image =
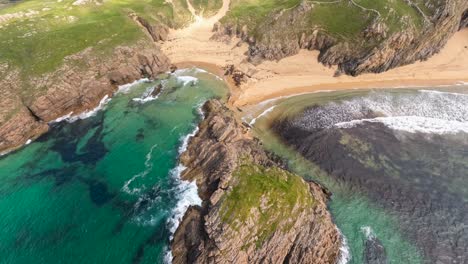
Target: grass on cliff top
column 42, row 33
column 340, row 19
column 273, row 192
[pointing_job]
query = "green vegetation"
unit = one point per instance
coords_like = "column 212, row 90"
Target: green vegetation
column 272, row 193
column 40, row 34
column 342, row 19
column 207, row 8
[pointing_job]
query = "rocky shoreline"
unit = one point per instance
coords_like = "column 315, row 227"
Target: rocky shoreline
column 289, row 225
column 376, row 51
column 74, row 89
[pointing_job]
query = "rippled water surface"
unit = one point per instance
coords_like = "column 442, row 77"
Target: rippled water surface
column 396, row 161
column 104, row 189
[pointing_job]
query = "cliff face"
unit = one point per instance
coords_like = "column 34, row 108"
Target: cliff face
column 358, row 39
column 253, row 210
column 79, row 85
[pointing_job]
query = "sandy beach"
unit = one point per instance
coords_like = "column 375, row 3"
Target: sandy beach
column 302, row 73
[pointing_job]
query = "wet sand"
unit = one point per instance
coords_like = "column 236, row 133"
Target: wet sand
column 302, row 72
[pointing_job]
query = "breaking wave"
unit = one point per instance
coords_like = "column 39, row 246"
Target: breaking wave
column 424, row 111
column 368, row 232
column 345, row 251
column 86, row 114
column 147, row 95
column 186, row 192
column 268, row 110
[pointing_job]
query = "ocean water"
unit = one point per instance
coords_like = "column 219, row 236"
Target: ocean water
column 395, row 160
column 103, row 187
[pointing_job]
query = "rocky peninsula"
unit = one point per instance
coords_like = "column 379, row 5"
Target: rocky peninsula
column 141, row 40
column 253, row 209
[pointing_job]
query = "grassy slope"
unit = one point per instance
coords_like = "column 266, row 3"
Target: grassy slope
column 38, row 44
column 341, row 19
column 207, row 7
column 280, row 189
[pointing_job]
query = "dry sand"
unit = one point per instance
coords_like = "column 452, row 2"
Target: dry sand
column 302, row 72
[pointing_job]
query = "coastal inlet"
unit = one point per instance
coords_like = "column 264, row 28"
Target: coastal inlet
column 396, row 162
column 103, row 187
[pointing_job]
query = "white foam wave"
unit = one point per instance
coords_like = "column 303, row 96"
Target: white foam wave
column 186, row 191
column 345, row 251
column 148, row 167
column 146, row 97
column 187, row 79
column 127, row 87
column 414, row 124
column 194, row 70
column 86, row 114
column 442, row 93
column 268, row 110
column 3, row 153
column 368, row 232
column 186, row 140
column 62, row 118
column 424, row 111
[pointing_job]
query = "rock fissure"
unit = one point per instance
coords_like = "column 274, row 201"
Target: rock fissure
column 230, row 169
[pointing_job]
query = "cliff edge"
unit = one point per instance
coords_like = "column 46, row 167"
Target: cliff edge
column 253, row 210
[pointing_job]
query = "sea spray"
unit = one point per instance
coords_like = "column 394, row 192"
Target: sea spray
column 187, row 191
column 86, row 114
column 345, row 252
column 127, row 87
column 417, row 111
column 147, row 95
column 102, row 104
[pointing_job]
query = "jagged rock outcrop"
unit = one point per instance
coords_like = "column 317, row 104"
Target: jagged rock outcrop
column 464, row 20
column 284, row 32
column 79, row 85
column 247, row 215
column 158, row 32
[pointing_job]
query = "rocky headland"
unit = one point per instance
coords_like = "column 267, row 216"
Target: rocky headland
column 253, row 210
column 38, row 87
column 77, row 86
column 358, row 38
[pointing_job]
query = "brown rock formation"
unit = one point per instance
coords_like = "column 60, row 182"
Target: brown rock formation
column 82, row 81
column 158, row 32
column 376, row 50
column 216, row 158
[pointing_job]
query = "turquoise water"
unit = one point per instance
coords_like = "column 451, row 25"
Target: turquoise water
column 104, row 189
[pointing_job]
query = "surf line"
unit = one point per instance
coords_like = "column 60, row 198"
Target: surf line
column 187, row 192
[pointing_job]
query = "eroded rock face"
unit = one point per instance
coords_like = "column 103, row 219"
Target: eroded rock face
column 72, row 88
column 219, row 158
column 376, row 50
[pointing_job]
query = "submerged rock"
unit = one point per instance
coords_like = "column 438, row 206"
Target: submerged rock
column 253, row 210
column 374, row 251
